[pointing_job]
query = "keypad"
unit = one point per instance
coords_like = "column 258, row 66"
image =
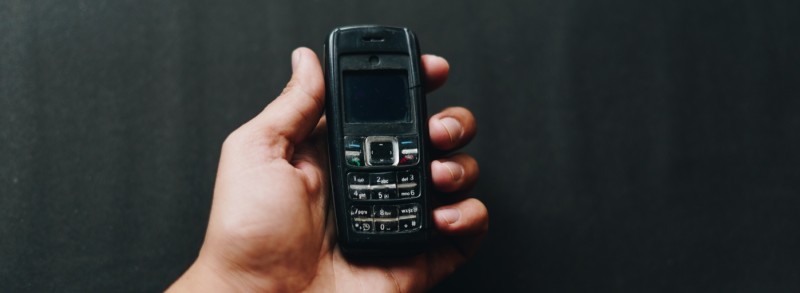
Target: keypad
column 383, row 185
column 385, row 218
column 374, row 194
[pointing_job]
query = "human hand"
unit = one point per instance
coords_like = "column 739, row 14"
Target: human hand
column 271, row 228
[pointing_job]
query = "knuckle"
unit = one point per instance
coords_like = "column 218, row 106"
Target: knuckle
column 469, row 162
column 267, row 141
column 465, row 117
column 234, row 139
column 289, row 86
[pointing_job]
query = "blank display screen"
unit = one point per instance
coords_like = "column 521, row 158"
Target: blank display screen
column 376, row 96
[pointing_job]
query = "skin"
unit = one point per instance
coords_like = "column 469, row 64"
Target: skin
column 271, row 229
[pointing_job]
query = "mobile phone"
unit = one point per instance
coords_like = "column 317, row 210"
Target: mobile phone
column 377, row 136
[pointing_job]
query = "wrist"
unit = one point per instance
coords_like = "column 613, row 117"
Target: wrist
column 205, row 277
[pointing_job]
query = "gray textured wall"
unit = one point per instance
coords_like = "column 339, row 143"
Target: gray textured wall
column 625, row 146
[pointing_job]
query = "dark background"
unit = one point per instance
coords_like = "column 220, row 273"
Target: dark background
column 625, row 146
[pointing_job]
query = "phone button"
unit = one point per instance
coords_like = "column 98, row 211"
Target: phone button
column 361, row 218
column 386, row 225
column 353, row 153
column 363, row 224
column 356, row 193
column 382, row 185
column 381, row 150
column 385, row 212
column 409, row 150
column 409, row 217
column 358, row 185
column 408, row 176
column 360, row 212
column 408, row 183
column 384, row 194
column 386, row 218
column 407, row 192
column 381, row 153
column 358, row 178
column 382, row 180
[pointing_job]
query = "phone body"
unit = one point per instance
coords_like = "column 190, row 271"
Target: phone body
column 378, row 140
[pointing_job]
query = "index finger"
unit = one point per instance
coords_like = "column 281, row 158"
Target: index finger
column 436, row 71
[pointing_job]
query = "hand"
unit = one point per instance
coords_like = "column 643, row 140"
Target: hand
column 271, row 229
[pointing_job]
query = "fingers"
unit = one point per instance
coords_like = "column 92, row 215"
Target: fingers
column 467, row 217
column 465, row 224
column 457, row 173
column 294, row 114
column 452, row 128
column 436, row 71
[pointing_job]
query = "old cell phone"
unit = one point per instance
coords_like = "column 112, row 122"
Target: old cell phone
column 378, row 137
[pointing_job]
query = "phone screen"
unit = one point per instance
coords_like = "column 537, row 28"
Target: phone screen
column 377, row 96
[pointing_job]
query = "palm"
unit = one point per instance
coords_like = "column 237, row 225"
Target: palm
column 290, row 219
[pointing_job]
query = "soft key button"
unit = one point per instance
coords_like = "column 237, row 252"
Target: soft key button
column 353, row 151
column 409, row 150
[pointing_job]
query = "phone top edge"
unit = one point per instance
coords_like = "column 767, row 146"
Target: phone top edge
column 371, row 38
column 369, row 26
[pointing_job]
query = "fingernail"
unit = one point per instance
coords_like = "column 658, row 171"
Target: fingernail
column 297, row 56
column 450, row 215
column 455, row 169
column 453, row 128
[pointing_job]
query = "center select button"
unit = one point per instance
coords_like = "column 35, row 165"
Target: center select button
column 382, row 150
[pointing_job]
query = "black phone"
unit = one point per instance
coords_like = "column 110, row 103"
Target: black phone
column 378, row 140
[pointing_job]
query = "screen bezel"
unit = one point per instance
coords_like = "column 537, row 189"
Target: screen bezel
column 361, row 62
column 350, row 111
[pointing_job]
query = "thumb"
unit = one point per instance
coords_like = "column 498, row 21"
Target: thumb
column 295, row 113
